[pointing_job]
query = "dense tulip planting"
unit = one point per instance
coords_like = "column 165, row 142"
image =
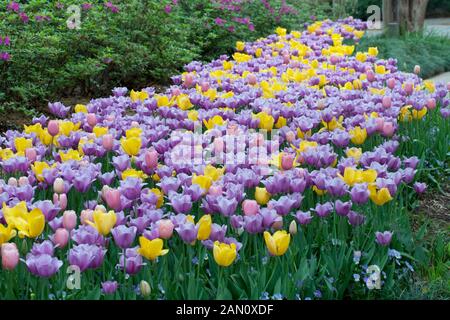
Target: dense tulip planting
column 284, row 171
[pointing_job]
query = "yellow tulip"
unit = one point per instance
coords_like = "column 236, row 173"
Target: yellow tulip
column 358, row 135
column 45, row 137
column 21, row 144
column 204, row 227
column 35, row 128
column 213, row 172
column 151, row 249
column 419, row 114
column 160, row 196
column 240, row 46
column 214, row 121
column 183, row 102
column 354, row 153
column 318, row 191
column 29, row 224
column 80, row 108
column 278, row 243
column 202, row 181
column 381, row 196
column 373, row 51
column 131, row 145
column 99, row 131
column 130, row 172
column 66, row 127
column 38, row 167
column 6, row 153
column 224, row 254
column 193, row 115
column 70, row 155
column 103, row 221
column 6, row 233
column 133, row 132
column 138, row 95
column 280, row 31
column 262, row 196
column 266, row 121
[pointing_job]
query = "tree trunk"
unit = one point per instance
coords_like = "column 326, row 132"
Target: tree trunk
column 418, row 12
column 411, row 15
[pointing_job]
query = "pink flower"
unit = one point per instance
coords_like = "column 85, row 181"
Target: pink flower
column 10, row 256
column 61, row 237
column 167, row 9
column 24, row 17
column 69, row 219
column 165, row 228
column 250, row 207
column 13, row 6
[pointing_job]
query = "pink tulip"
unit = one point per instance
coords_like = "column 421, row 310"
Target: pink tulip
column 58, row 186
column 12, row 182
column 286, row 59
column 23, row 181
column 250, row 207
column 386, row 101
column 391, row 83
column 287, row 161
column 205, row 86
column 388, row 129
column 409, row 88
column 380, row 124
column 53, row 127
column 10, row 256
column 219, row 145
column 165, row 228
column 31, row 154
column 176, row 92
column 112, row 198
column 151, row 158
column 431, row 103
column 188, row 80
column 61, row 237
column 69, row 219
column 334, row 59
column 251, row 79
column 91, row 119
column 370, row 76
column 60, row 200
column 108, row 142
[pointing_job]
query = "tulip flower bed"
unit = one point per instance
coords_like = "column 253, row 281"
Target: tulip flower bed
column 284, row 171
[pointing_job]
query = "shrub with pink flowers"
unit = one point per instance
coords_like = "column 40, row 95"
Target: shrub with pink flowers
column 286, row 170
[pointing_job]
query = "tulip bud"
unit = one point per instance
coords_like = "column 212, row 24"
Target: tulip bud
column 108, row 142
column 69, row 219
column 370, row 75
column 251, row 79
column 10, row 256
column 188, row 80
column 388, row 129
column 334, row 59
column 386, row 101
column 204, row 86
column 145, row 288
column 134, row 124
column 12, row 182
column 391, row 83
column 112, row 198
column 290, row 136
column 91, row 119
column 23, row 181
column 165, row 228
column 86, row 215
column 416, row 69
column 262, row 196
column 151, row 158
column 61, row 237
column 53, row 127
column 287, row 161
column 431, row 103
column 60, row 200
column 409, row 88
column 58, row 185
column 293, row 227
column 24, row 246
column 31, row 154
column 250, row 207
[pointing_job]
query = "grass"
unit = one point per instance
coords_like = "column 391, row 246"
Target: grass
column 429, row 51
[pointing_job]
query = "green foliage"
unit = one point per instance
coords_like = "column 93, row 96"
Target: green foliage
column 428, row 51
column 140, row 45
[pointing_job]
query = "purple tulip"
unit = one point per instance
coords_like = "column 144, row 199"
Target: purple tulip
column 124, row 236
column 383, row 238
column 109, row 287
column 43, row 265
